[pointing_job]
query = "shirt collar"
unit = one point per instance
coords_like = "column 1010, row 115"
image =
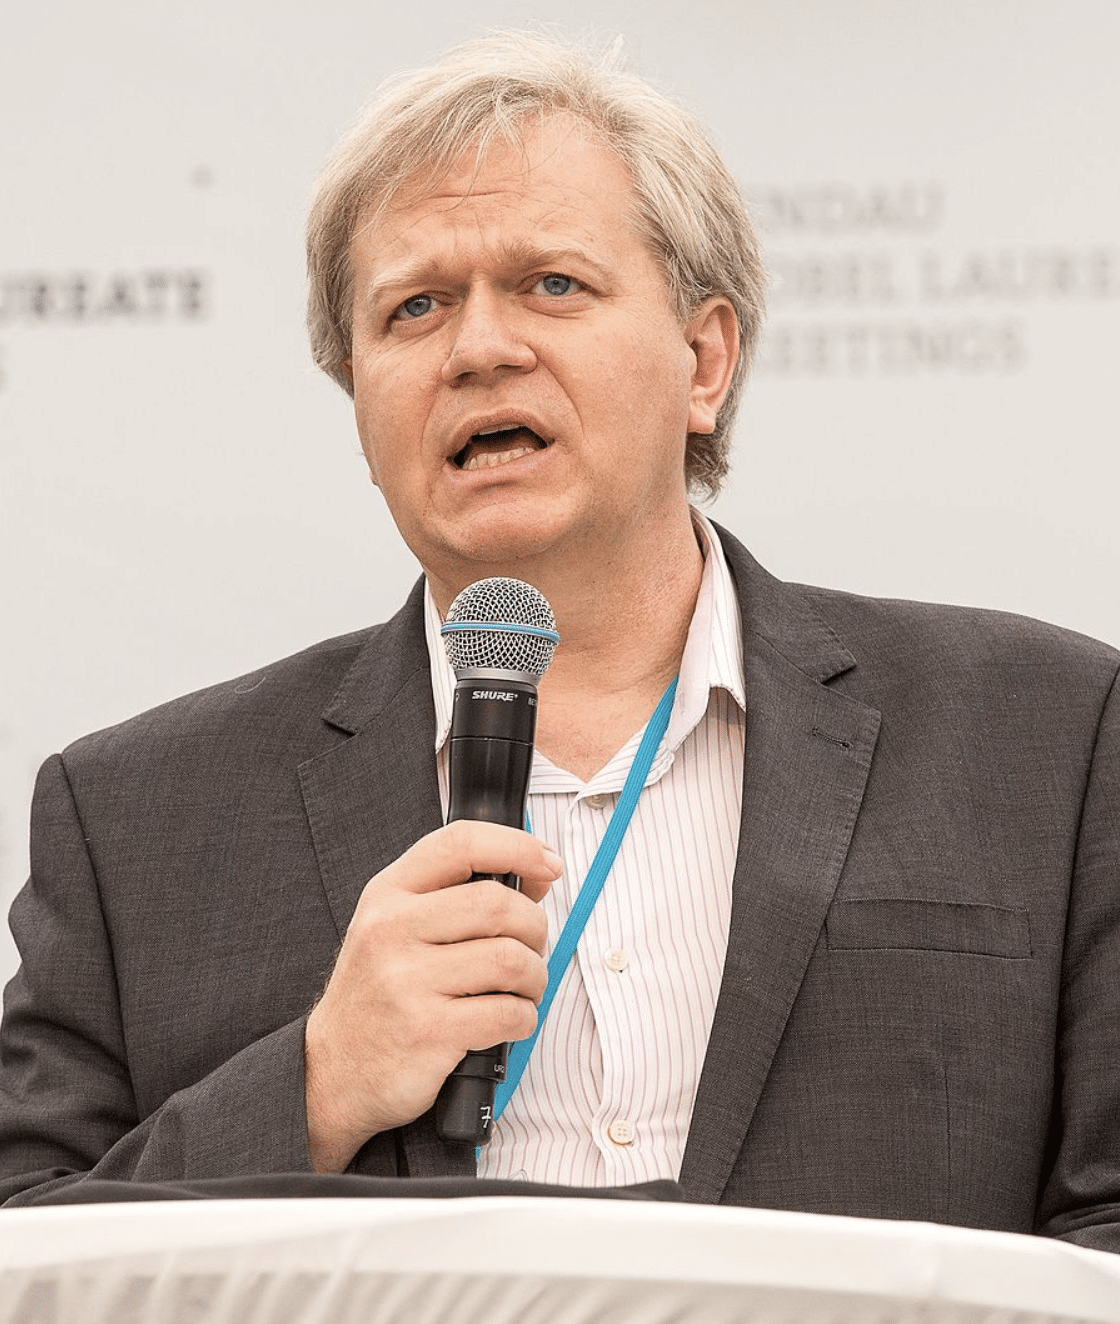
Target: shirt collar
column 713, row 650
column 443, row 678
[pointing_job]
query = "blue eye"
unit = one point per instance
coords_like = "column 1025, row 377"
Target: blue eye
column 556, row 284
column 417, row 306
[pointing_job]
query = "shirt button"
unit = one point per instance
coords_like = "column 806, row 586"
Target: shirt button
column 597, row 801
column 616, row 959
column 621, row 1131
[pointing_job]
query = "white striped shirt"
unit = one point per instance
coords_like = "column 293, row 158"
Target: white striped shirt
column 607, row 1096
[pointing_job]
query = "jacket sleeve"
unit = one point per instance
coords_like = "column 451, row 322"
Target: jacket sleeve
column 1079, row 1197
column 68, row 1106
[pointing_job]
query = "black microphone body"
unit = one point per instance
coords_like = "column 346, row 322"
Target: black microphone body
column 491, row 754
column 500, row 635
column 493, row 723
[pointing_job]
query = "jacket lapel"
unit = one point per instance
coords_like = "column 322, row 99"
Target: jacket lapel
column 375, row 793
column 808, row 753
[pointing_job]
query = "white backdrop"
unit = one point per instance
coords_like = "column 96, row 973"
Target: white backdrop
column 183, row 497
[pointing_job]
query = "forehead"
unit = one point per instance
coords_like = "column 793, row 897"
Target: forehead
column 556, row 178
column 536, row 154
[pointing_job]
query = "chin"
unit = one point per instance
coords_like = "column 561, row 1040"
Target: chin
column 500, row 545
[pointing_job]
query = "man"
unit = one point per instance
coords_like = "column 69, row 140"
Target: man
column 856, row 953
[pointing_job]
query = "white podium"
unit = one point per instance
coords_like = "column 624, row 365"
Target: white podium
column 497, row 1260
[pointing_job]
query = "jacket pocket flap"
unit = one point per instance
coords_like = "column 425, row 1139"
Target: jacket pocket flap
column 928, row 926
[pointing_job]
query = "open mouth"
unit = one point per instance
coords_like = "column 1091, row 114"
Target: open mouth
column 496, row 446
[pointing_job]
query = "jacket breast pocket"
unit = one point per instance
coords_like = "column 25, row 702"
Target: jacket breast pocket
column 928, row 926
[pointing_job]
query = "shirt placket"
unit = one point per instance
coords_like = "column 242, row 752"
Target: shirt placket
column 610, row 961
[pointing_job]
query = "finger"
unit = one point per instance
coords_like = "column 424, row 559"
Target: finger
column 489, row 965
column 483, row 909
column 452, row 853
column 481, row 1022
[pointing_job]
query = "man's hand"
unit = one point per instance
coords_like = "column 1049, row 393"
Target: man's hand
column 395, row 1017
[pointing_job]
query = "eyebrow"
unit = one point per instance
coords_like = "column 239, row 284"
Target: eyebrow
column 519, row 255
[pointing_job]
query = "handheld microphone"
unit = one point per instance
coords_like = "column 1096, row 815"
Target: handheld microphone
column 500, row 635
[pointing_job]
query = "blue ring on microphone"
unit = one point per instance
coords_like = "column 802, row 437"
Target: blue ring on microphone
column 501, row 627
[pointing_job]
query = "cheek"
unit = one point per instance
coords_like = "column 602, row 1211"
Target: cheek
column 386, row 411
column 611, row 374
column 647, row 383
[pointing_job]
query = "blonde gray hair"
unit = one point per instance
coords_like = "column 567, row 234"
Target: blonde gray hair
column 688, row 208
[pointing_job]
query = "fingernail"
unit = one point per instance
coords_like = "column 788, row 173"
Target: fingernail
column 554, row 862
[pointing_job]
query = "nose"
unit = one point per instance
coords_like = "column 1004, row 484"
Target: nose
column 486, row 340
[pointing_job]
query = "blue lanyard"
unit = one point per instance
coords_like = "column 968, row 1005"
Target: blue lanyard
column 593, row 884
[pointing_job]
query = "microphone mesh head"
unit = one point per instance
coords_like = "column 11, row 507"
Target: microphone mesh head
column 502, row 625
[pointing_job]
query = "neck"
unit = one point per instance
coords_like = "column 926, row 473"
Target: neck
column 623, row 612
column 623, row 630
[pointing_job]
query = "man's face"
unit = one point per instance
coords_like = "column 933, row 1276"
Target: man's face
column 522, row 385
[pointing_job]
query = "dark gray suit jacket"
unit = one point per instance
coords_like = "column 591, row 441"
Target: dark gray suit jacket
column 920, row 1009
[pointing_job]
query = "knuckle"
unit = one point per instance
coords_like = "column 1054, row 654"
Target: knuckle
column 538, row 935
column 540, row 979
column 506, row 1020
column 459, row 838
column 454, row 834
column 519, row 1019
column 509, row 961
column 490, row 902
column 377, row 927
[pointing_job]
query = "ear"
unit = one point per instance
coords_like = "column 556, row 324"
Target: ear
column 713, row 336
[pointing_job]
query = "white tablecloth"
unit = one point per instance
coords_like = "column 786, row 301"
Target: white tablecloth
column 497, row 1260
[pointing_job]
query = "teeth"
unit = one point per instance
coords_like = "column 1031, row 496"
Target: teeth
column 490, row 460
column 504, row 427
